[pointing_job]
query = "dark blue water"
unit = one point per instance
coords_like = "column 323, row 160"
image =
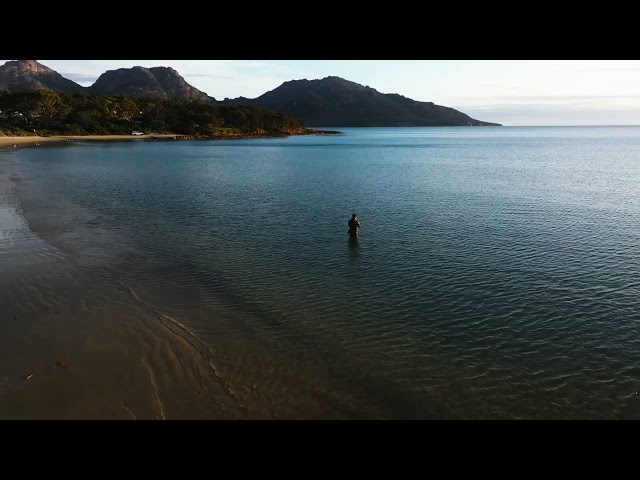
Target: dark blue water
column 496, row 275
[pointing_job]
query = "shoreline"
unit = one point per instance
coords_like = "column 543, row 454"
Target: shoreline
column 11, row 142
column 15, row 142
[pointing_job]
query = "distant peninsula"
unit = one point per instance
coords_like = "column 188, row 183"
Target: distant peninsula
column 336, row 102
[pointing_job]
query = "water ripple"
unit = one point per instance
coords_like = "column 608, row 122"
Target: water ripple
column 495, row 276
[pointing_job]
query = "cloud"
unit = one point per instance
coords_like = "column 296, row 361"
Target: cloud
column 208, row 75
column 556, row 99
column 529, row 115
column 589, row 98
column 626, row 69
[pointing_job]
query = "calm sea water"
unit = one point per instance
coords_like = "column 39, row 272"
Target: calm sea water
column 496, row 276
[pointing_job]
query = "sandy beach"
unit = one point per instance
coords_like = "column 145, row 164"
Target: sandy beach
column 10, row 142
column 15, row 142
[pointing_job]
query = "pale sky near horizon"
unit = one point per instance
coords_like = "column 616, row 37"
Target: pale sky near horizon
column 510, row 92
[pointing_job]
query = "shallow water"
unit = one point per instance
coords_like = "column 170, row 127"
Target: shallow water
column 495, row 276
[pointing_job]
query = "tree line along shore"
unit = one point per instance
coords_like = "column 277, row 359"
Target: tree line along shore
column 63, row 116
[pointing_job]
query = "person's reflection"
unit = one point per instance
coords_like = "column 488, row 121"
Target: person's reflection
column 354, row 246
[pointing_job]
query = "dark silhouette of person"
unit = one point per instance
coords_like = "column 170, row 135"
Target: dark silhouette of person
column 354, row 226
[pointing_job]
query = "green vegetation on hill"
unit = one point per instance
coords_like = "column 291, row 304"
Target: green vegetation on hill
column 54, row 113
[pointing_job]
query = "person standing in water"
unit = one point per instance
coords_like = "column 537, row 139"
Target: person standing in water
column 354, row 226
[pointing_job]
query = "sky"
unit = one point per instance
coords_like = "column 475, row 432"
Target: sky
column 509, row 92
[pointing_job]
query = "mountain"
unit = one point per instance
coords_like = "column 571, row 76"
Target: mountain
column 329, row 102
column 336, row 102
column 156, row 82
column 31, row 75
